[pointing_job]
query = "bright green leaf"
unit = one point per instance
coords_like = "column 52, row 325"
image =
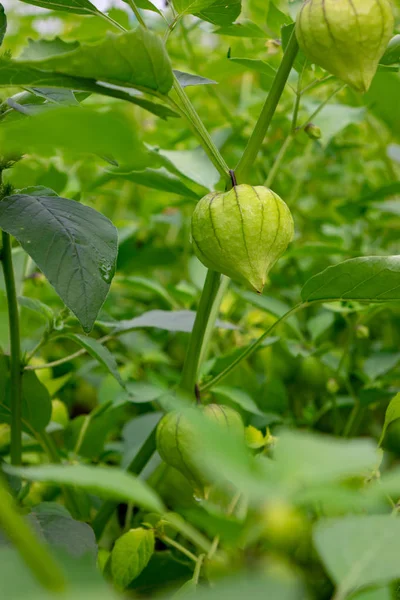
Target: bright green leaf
column 367, row 279
column 105, row 482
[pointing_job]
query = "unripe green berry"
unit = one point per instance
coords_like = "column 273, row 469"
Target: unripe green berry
column 313, row 131
column 179, row 443
column 346, row 37
column 362, row 332
column 242, row 233
column 332, row 386
column 59, row 413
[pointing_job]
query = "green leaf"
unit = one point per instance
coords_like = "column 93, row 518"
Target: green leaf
column 105, row 482
column 55, row 526
column 193, row 164
column 382, row 593
column 187, row 79
column 303, row 458
column 221, row 12
column 74, row 246
column 245, row 28
column 392, row 414
column 76, row 129
column 190, row 7
column 130, row 555
column 146, row 5
column 135, row 59
column 359, row 551
column 157, row 179
column 99, row 353
column 381, row 99
column 15, row 73
column 3, row 23
column 392, row 52
column 238, row 397
column 36, row 402
column 380, row 363
column 38, row 49
column 169, row 320
column 367, row 279
column 79, row 7
column 333, row 118
column 254, row 64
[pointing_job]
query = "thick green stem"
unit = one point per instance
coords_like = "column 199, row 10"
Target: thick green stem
column 135, row 467
column 198, row 336
column 15, row 352
column 35, row 555
column 257, row 137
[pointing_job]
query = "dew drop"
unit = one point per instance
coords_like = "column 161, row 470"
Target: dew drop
column 106, row 271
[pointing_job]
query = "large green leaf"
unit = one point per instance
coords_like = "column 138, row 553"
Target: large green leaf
column 135, row 59
column 305, row 459
column 16, row 73
column 359, row 551
column 221, row 12
column 106, row 482
column 74, row 246
column 191, row 6
column 367, row 279
column 76, row 129
column 79, row 7
column 54, row 525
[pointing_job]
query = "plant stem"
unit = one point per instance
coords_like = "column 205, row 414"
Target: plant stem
column 61, row 361
column 35, row 555
column 135, row 467
column 15, row 352
column 137, row 13
column 198, row 336
column 278, row 160
column 250, row 349
column 198, row 128
column 111, row 21
column 268, row 110
column 179, row 547
column 71, row 502
column 197, row 569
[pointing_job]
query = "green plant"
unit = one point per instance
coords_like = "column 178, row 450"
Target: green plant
column 122, row 133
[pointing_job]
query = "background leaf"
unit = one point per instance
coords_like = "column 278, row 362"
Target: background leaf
column 372, row 544
column 135, row 59
column 106, row 482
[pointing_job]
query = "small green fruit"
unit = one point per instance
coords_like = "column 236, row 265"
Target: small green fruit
column 59, row 413
column 242, row 233
column 313, row 131
column 130, row 555
column 346, row 37
column 179, row 443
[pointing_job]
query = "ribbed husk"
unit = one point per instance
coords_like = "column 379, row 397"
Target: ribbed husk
column 346, row 37
column 242, row 233
column 179, row 443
